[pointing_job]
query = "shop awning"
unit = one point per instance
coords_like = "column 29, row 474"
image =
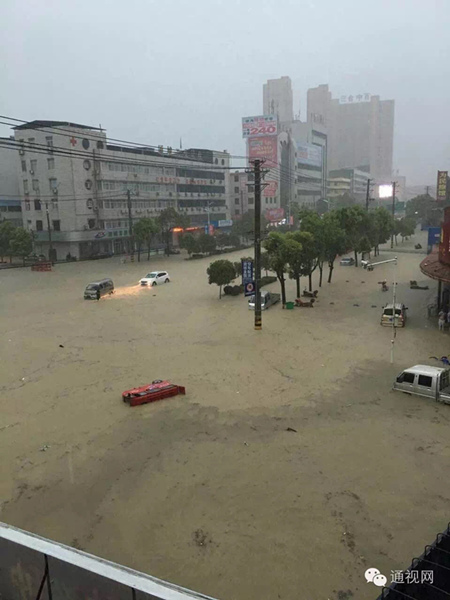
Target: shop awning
column 431, row 267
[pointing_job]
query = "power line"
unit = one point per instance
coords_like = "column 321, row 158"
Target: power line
column 70, row 134
column 77, row 154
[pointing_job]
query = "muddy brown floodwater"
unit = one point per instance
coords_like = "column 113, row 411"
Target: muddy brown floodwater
column 286, row 471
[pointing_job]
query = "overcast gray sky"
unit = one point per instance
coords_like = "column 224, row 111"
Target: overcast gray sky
column 154, row 71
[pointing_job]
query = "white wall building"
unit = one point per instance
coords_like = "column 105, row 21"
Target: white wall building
column 10, row 205
column 278, row 98
column 74, row 180
column 361, row 130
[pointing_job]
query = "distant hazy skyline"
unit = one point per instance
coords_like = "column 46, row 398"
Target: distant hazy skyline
column 153, row 72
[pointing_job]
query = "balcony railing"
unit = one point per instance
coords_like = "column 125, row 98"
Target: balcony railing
column 35, row 567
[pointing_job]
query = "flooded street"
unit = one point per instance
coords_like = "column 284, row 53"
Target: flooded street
column 287, row 470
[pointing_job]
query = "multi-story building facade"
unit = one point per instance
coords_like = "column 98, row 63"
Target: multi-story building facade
column 242, row 193
column 278, row 99
column 301, row 176
column 309, row 148
column 338, row 186
column 357, row 182
column 10, row 205
column 76, row 187
column 360, row 129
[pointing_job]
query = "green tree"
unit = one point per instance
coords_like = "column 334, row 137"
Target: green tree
column 222, row 239
column 21, row 243
column 167, row 220
column 383, row 224
column 221, row 272
column 346, row 200
column 245, row 226
column 234, row 240
column 190, row 243
column 334, row 241
column 6, row 233
column 310, row 221
column 278, row 252
column 423, row 208
column 144, row 231
column 206, row 243
column 407, row 227
column 265, row 262
column 354, row 221
column 295, row 256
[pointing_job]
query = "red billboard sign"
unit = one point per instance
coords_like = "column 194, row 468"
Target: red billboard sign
column 275, row 214
column 259, row 126
column 264, row 148
column 270, row 189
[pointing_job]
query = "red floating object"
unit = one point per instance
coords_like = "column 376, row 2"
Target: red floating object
column 157, row 390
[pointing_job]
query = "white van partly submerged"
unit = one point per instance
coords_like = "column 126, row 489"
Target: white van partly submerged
column 422, row 380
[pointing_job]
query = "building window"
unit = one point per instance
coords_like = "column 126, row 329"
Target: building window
column 27, row 205
column 33, row 165
column 51, row 163
column 236, row 190
column 251, row 188
column 91, row 223
column 49, row 140
column 236, row 178
column 53, row 183
column 39, row 226
column 37, row 205
column 250, row 200
column 24, row 166
column 35, row 185
column 25, row 186
column 236, row 211
column 236, row 201
column 56, row 225
column 31, row 141
column 223, row 162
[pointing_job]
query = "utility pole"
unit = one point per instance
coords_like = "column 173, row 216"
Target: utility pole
column 50, row 246
column 257, row 264
column 369, row 181
column 130, row 224
column 394, row 183
column 394, row 327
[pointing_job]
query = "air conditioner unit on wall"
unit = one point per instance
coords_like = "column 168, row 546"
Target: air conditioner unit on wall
column 21, row 151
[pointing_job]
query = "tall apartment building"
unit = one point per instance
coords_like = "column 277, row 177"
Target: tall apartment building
column 357, row 182
column 278, row 99
column 76, row 182
column 242, row 193
column 310, row 151
column 302, row 149
column 360, row 130
column 10, row 205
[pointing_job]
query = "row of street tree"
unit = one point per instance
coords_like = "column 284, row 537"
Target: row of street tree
column 318, row 241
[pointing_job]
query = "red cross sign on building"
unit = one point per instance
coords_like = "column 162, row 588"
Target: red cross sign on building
column 73, row 141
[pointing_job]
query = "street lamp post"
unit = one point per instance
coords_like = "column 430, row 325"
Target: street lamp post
column 370, row 267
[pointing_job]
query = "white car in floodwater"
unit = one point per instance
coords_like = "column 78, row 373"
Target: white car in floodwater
column 155, row 278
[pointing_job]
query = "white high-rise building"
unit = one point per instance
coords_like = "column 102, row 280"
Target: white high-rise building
column 278, row 99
